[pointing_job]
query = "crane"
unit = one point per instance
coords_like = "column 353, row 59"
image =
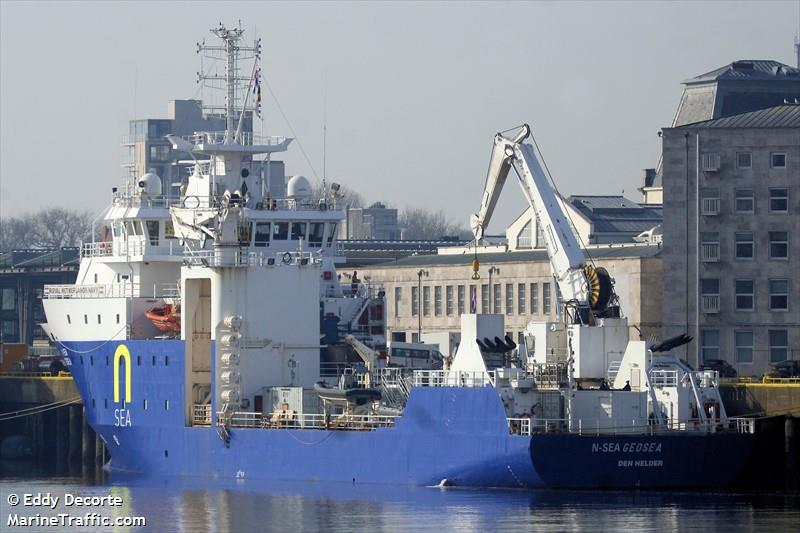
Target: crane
column 587, row 288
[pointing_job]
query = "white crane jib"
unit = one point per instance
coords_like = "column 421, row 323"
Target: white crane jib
column 567, row 260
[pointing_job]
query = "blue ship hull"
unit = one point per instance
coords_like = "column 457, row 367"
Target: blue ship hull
column 457, row 434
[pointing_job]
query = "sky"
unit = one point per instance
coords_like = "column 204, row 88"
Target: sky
column 412, row 93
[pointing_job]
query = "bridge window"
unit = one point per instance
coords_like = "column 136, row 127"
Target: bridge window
column 262, row 234
column 298, row 230
column 169, row 230
column 245, row 231
column 280, row 231
column 316, row 234
column 152, row 231
column 331, row 233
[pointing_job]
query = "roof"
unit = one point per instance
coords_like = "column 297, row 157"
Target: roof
column 749, row 69
column 780, row 116
column 616, row 214
column 604, row 252
column 47, row 259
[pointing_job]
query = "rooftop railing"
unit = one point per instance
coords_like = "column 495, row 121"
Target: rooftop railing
column 245, row 258
column 245, row 138
column 294, row 420
column 452, row 378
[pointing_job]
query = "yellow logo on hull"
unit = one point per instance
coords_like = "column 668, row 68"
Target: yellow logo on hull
column 123, row 354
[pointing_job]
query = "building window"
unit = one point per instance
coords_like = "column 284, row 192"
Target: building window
column 426, row 301
column 414, row 301
column 437, row 300
column 461, row 298
column 484, row 298
column 744, row 245
column 744, row 160
column 777, row 160
column 398, row 297
column 709, row 344
column 521, row 299
column 779, row 245
column 779, row 200
column 743, row 345
column 509, row 298
column 709, row 289
column 744, row 202
column 497, row 303
column 709, row 251
column 744, row 294
column 534, row 298
column 546, row 300
column 778, row 345
column 448, row 297
column 779, row 295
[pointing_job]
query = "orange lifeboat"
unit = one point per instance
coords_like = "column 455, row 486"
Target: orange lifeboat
column 166, row 319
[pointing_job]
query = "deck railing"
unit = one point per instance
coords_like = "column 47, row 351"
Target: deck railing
column 597, row 427
column 294, row 420
column 453, row 378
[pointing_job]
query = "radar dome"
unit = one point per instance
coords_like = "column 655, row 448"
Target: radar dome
column 149, row 184
column 298, row 188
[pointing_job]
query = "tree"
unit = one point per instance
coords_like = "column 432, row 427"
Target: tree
column 49, row 228
column 346, row 197
column 424, row 224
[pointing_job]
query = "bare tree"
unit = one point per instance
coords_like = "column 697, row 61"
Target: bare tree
column 424, row 224
column 49, row 228
column 347, row 197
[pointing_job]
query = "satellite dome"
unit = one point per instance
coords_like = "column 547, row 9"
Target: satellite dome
column 298, row 188
column 149, row 184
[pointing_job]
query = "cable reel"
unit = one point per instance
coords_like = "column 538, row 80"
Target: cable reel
column 601, row 288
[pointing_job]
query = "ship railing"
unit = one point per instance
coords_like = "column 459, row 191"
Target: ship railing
column 245, row 258
column 293, row 420
column 664, row 378
column 201, row 414
column 519, row 426
column 128, row 199
column 453, row 378
column 246, row 138
column 111, row 290
column 131, row 247
column 596, row 426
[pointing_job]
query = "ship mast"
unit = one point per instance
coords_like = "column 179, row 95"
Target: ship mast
column 236, row 85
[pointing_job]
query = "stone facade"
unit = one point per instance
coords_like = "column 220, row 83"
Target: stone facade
column 745, row 248
column 446, row 283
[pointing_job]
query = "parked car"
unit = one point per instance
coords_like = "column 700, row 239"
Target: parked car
column 785, row 369
column 720, row 365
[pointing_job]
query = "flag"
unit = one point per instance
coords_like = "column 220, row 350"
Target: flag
column 473, row 299
column 257, row 90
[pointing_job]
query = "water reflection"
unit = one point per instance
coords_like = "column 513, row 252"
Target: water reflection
column 195, row 504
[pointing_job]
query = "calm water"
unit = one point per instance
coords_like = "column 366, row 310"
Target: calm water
column 247, row 505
